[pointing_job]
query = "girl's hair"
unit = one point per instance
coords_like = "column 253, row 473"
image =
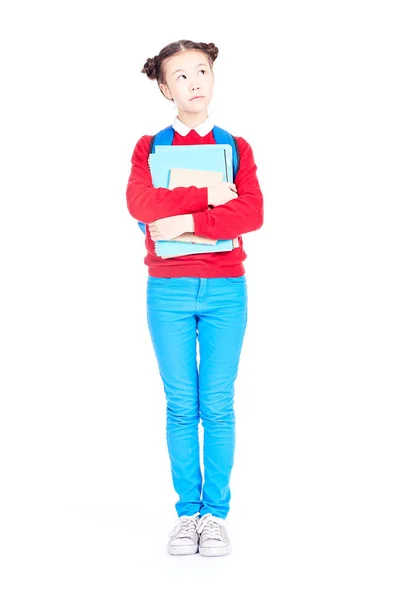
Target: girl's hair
column 153, row 67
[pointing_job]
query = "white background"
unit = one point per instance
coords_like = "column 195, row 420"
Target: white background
column 87, row 498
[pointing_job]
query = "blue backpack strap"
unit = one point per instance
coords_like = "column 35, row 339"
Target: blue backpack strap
column 162, row 138
column 224, row 137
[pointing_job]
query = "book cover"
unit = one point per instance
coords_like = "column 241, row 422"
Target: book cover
column 171, row 252
column 200, row 178
column 204, row 157
column 193, row 155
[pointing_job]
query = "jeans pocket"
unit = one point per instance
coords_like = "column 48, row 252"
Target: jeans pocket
column 240, row 279
column 157, row 281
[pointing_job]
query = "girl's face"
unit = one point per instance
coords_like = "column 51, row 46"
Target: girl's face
column 188, row 75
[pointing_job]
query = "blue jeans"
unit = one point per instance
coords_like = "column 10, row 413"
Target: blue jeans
column 214, row 310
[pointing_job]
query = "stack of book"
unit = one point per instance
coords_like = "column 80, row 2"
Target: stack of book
column 201, row 165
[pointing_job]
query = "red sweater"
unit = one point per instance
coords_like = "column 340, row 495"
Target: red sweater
column 230, row 220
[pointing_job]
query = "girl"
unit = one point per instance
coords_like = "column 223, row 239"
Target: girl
column 196, row 298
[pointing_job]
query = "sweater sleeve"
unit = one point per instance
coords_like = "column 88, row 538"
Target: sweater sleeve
column 147, row 203
column 240, row 215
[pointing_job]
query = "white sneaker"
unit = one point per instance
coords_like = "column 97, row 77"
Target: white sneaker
column 214, row 540
column 184, row 538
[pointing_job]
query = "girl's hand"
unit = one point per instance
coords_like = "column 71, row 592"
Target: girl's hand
column 221, row 193
column 170, row 227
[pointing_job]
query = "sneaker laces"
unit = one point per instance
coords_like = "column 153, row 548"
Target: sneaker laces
column 209, row 527
column 186, row 526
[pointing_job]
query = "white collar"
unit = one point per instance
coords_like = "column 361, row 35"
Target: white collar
column 203, row 129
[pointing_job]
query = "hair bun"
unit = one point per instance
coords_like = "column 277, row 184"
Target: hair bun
column 211, row 50
column 149, row 68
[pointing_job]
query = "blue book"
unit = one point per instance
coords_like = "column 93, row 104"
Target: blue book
column 202, row 152
column 205, row 157
column 171, row 248
column 209, row 157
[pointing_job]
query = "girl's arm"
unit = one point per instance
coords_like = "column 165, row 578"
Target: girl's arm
column 240, row 215
column 147, row 203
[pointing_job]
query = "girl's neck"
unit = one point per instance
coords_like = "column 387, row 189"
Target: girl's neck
column 192, row 120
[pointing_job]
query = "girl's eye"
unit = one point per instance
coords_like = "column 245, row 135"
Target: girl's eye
column 203, row 70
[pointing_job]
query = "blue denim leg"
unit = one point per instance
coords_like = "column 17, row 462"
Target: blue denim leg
column 222, row 312
column 215, row 309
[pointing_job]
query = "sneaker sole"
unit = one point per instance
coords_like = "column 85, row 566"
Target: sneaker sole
column 181, row 550
column 217, row 551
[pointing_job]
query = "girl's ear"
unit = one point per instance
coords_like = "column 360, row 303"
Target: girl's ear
column 165, row 90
